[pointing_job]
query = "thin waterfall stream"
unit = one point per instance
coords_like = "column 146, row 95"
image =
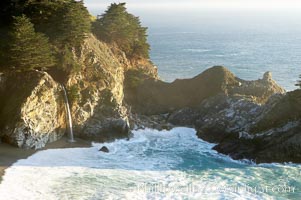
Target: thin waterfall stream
column 67, row 105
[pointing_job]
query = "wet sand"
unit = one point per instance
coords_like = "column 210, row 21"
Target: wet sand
column 10, row 154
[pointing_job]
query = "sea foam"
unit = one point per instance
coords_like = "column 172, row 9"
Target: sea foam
column 154, row 164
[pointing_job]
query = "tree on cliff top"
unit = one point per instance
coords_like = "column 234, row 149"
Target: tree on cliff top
column 29, row 49
column 117, row 26
column 64, row 22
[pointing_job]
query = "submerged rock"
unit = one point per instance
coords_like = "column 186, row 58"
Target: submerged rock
column 104, row 149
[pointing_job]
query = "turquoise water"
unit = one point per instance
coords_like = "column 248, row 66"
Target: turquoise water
column 152, row 165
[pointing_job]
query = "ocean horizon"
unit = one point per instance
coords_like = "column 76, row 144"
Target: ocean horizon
column 84, row 115
column 184, row 43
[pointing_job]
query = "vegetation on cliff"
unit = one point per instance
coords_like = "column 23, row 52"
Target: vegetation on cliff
column 117, row 26
column 29, row 49
column 56, row 30
column 63, row 23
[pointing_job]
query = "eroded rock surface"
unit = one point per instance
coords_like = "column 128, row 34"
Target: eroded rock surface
column 274, row 136
column 31, row 109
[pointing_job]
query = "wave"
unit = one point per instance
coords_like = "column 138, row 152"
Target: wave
column 197, row 50
column 154, row 164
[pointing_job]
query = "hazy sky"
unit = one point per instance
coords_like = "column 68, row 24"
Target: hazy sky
column 220, row 12
column 203, row 4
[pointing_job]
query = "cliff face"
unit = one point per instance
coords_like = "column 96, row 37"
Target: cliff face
column 274, row 136
column 246, row 129
column 98, row 110
column 31, row 109
column 248, row 119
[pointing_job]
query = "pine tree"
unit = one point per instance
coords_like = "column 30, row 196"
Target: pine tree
column 75, row 24
column 118, row 26
column 29, row 49
column 64, row 22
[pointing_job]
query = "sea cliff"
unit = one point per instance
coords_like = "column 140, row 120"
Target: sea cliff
column 112, row 95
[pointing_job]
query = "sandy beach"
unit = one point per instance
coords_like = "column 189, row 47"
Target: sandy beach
column 10, row 154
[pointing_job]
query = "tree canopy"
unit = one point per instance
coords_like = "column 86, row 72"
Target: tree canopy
column 118, row 26
column 64, row 22
column 29, row 49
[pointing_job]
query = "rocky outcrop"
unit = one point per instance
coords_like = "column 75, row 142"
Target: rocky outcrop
column 109, row 95
column 104, row 149
column 33, row 113
column 245, row 129
column 259, row 90
column 31, row 109
column 96, row 93
column 274, row 136
column 155, row 96
column 256, row 120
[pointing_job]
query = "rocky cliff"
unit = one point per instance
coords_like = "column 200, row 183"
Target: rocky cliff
column 109, row 95
column 273, row 136
column 256, row 121
column 98, row 110
column 31, row 109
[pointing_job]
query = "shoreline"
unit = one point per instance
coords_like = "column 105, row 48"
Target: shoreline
column 10, row 154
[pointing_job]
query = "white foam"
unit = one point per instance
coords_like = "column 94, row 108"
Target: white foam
column 197, row 50
column 150, row 166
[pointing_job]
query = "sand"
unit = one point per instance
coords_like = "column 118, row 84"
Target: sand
column 10, row 154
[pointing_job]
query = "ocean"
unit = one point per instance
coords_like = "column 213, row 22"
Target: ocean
column 185, row 42
column 154, row 164
column 176, row 164
column 248, row 51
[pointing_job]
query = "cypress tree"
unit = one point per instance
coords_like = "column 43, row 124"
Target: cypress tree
column 118, row 26
column 64, row 22
column 29, row 49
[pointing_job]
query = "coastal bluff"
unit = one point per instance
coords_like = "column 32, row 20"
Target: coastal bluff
column 155, row 96
column 111, row 95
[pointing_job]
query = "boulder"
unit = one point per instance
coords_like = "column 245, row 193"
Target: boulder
column 32, row 110
column 104, row 149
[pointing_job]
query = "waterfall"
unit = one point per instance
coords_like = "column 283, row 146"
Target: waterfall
column 71, row 137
